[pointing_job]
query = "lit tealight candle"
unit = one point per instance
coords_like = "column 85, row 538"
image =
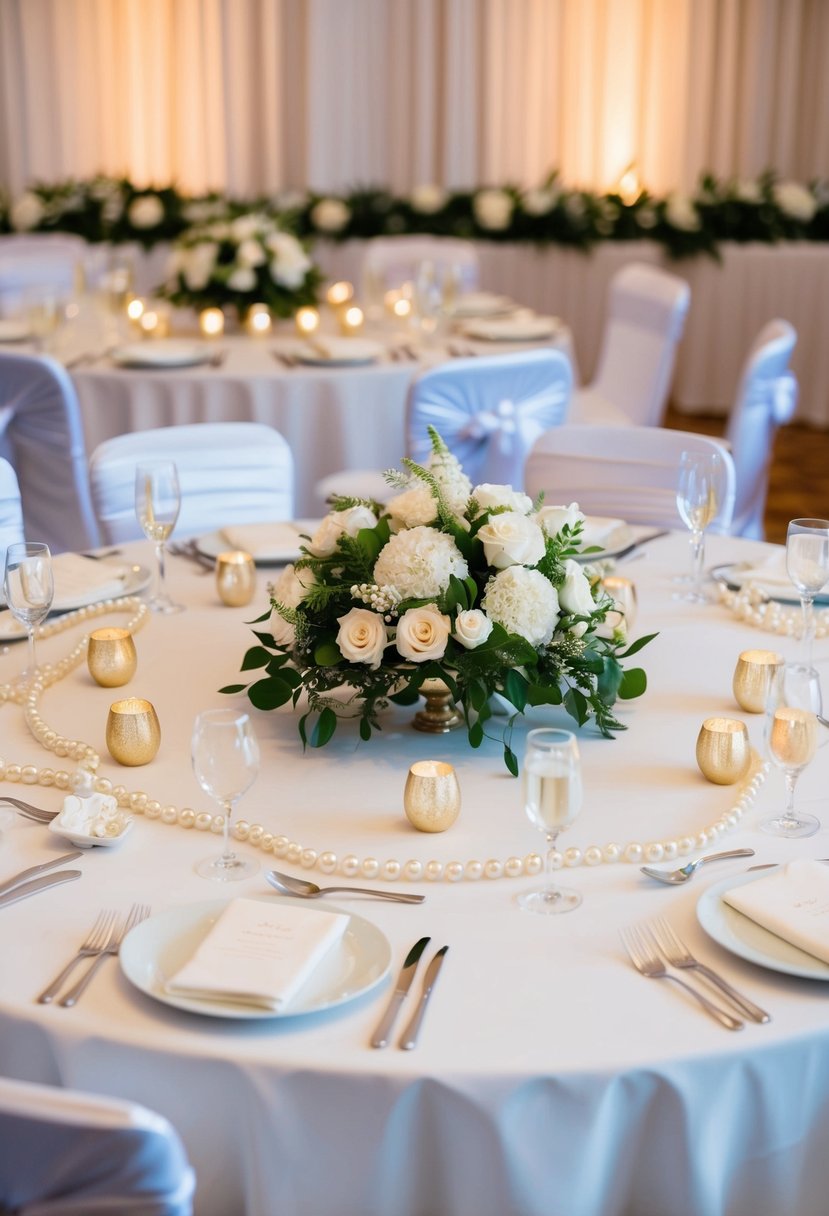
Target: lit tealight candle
column 155, row 321
column 258, row 320
column 307, row 321
column 351, row 320
column 339, row 293
column 211, row 322
column 402, row 307
column 135, row 309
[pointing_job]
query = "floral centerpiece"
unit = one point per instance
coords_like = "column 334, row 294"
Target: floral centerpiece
column 478, row 588
column 242, row 261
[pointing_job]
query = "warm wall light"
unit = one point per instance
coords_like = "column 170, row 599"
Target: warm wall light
column 339, row 293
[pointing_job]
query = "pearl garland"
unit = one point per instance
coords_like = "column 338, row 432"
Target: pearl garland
column 327, row 862
column 751, row 605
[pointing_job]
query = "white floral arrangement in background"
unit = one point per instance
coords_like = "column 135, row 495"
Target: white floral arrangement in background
column 476, row 587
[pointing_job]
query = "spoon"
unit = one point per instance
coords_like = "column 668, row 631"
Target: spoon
column 675, row 878
column 309, row 890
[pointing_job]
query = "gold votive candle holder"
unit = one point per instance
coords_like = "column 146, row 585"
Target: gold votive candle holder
column 258, row 321
column 133, row 733
column 623, row 593
column 350, row 320
column 235, row 578
column 211, row 322
column 432, row 796
column 339, row 293
column 307, row 321
column 723, row 751
column 111, row 656
column 752, row 676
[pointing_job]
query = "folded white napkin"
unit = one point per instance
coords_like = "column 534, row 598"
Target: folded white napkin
column 82, row 580
column 792, row 902
column 340, row 350
column 278, row 540
column 599, row 530
column 770, row 573
column 259, row 953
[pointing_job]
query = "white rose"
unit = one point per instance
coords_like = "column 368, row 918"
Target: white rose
column 492, row 209
column 472, row 628
column 362, row 637
column 290, row 263
column 330, row 215
column 27, row 212
column 251, row 253
column 748, row 191
column 324, row 541
column 552, row 519
column 428, row 199
column 244, row 227
column 538, row 202
column 511, row 539
column 574, row 595
column 243, row 278
column 197, row 264
column 292, row 584
column 795, row 200
column 283, row 631
column 488, row 497
column 681, row 212
column 289, row 200
column 146, row 211
column 412, row 509
column 422, row 634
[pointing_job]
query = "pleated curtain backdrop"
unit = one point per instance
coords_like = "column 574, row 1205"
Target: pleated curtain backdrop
column 250, row 96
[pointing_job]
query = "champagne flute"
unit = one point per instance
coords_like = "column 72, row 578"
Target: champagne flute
column 157, row 504
column 807, row 563
column 791, row 734
column 552, row 799
column 225, row 755
column 699, row 496
column 30, row 588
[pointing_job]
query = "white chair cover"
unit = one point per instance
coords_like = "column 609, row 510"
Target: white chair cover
column 391, row 261
column 629, row 472
column 229, row 472
column 40, row 260
column 41, row 435
column 490, row 410
column 64, row 1153
column 11, row 512
column 766, row 398
column 645, row 317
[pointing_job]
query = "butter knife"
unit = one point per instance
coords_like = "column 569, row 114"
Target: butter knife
column 771, row 865
column 38, row 884
column 409, row 1036
column 380, row 1038
column 16, row 881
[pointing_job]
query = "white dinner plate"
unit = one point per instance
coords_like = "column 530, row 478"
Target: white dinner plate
column 739, row 574
column 339, row 352
column 281, row 546
column 745, row 938
column 13, row 331
column 159, row 946
column 136, row 579
column 161, row 353
column 482, row 304
column 512, row 329
column 618, row 539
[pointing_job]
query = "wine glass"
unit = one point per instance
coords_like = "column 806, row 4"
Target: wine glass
column 552, row 799
column 30, row 588
column 225, row 757
column 807, row 563
column 157, row 504
column 791, row 734
column 699, row 496
column 427, row 298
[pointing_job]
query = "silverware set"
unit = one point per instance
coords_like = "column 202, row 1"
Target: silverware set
column 188, row 549
column 28, row 810
column 286, row 884
column 654, row 947
column 102, row 941
column 408, row 1038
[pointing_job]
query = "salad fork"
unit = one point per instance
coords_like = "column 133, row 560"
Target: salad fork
column 93, row 944
column 648, row 963
column 30, row 811
column 678, row 955
column 138, row 912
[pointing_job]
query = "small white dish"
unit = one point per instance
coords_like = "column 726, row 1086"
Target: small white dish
column 85, row 840
column 518, row 328
column 135, row 579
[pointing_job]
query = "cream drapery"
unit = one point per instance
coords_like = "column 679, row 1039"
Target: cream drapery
column 256, row 95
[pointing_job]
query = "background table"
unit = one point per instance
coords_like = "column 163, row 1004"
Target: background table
column 550, row 1078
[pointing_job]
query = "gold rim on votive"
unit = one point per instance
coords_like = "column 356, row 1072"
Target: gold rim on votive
column 111, row 656
column 235, row 578
column 751, row 678
column 432, row 796
column 133, row 733
column 723, row 750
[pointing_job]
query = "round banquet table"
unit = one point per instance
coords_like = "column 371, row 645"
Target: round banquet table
column 550, row 1078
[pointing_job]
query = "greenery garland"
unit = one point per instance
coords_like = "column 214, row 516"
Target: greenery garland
column 765, row 209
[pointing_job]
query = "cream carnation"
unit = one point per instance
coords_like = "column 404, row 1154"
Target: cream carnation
column 524, row 602
column 412, row 508
column 488, row 497
column 336, row 524
column 511, row 539
column 472, row 628
column 422, row 634
column 289, row 590
column 552, row 519
column 575, row 595
column 419, row 562
column 362, row 637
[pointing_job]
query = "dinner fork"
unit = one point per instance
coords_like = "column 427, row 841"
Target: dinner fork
column 648, row 963
column 30, row 811
column 677, row 954
column 137, row 913
column 93, row 944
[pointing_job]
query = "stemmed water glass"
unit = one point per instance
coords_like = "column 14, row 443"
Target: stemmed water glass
column 225, row 755
column 700, row 494
column 791, row 733
column 157, row 504
column 807, row 563
column 29, row 588
column 552, row 799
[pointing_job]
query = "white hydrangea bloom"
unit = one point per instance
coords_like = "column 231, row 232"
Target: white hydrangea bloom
column 524, row 602
column 428, row 199
column 419, row 562
column 493, row 209
column 412, row 508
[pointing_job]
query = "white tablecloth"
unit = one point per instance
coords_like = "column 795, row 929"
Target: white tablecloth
column 550, row 1078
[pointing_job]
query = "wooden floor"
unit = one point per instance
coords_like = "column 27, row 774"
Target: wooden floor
column 799, row 480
